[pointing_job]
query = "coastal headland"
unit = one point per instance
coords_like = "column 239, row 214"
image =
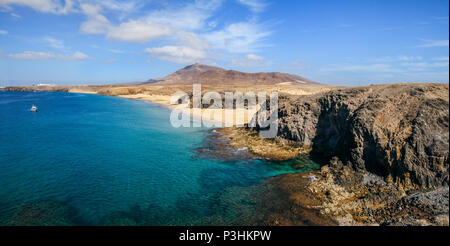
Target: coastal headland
column 383, row 148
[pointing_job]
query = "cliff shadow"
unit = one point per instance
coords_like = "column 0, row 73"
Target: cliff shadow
column 344, row 135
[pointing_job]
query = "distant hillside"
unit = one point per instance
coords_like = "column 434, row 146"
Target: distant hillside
column 209, row 75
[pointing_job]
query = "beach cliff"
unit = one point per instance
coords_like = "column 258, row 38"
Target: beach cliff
column 384, row 149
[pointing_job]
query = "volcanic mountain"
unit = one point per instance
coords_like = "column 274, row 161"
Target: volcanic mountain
column 210, row 75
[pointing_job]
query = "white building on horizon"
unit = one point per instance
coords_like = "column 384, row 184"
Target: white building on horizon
column 45, row 85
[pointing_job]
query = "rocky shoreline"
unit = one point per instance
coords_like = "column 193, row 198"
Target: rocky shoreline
column 385, row 150
column 386, row 154
column 35, row 89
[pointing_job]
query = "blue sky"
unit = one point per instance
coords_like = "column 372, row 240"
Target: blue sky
column 333, row 42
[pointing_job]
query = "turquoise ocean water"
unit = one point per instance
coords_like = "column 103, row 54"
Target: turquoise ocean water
column 111, row 161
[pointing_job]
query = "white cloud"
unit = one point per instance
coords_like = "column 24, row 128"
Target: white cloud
column 254, row 57
column 3, row 32
column 123, row 6
column 186, row 31
column 379, row 68
column 179, row 27
column 403, row 67
column 55, row 43
column 397, row 58
column 96, row 22
column 208, row 4
column 242, row 37
column 138, row 31
column 33, row 55
column 443, row 58
column 158, row 24
column 409, row 58
column 425, row 64
column 249, row 60
column 192, row 16
column 192, row 40
column 77, row 56
column 46, row 6
column 16, row 15
column 440, row 18
column 254, row 5
column 433, row 43
column 178, row 54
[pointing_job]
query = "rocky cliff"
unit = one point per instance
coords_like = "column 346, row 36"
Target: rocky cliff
column 384, row 151
column 398, row 132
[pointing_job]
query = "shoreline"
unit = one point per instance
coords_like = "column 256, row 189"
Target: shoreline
column 270, row 187
column 393, row 122
column 164, row 101
column 338, row 191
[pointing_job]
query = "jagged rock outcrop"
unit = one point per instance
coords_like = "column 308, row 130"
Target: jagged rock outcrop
column 399, row 132
column 383, row 150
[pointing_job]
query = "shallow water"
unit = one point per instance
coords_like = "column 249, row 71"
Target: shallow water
column 110, row 160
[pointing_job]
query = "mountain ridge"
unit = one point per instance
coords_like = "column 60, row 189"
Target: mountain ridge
column 211, row 75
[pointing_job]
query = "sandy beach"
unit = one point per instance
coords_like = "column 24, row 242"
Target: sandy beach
column 227, row 117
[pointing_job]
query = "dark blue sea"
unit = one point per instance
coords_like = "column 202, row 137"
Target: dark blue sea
column 96, row 160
